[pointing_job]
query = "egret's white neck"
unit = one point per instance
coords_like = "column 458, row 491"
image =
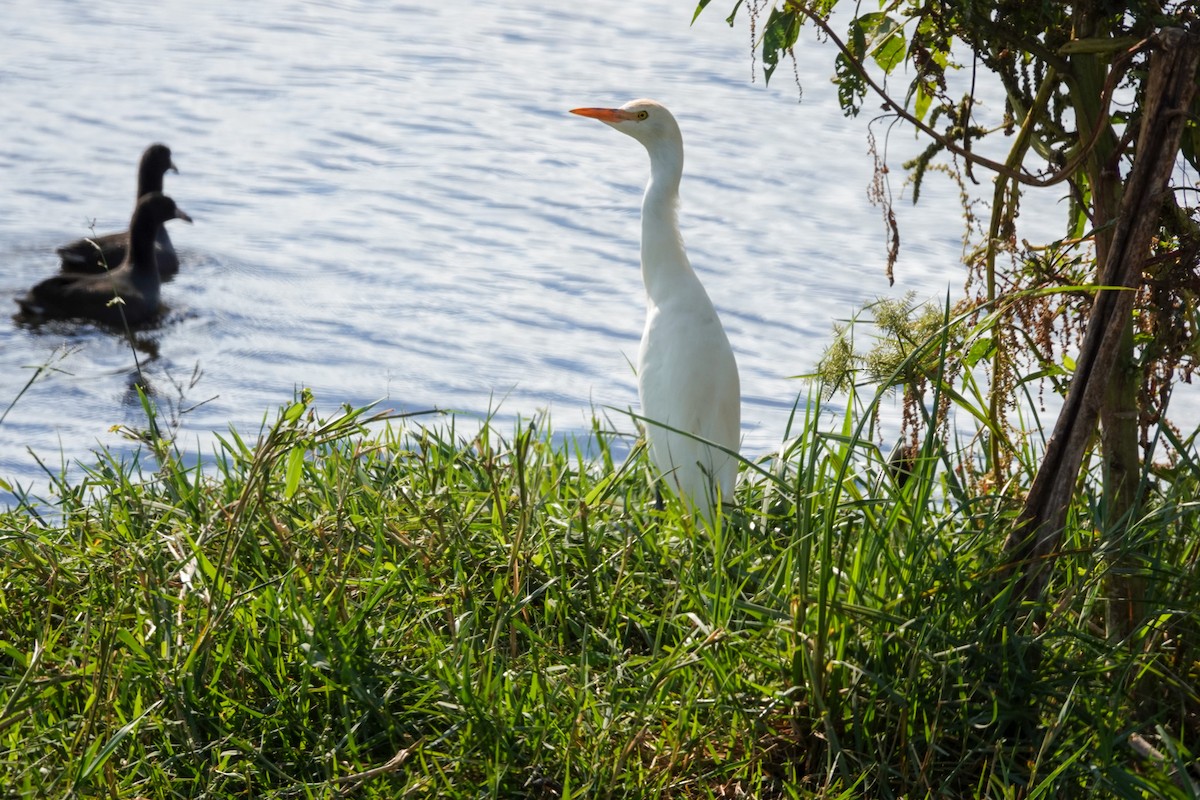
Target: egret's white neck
column 665, row 268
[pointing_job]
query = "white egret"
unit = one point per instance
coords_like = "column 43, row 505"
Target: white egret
column 687, row 375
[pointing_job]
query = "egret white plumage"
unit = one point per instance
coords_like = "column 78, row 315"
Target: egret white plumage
column 687, row 374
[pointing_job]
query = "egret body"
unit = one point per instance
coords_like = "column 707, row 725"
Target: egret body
column 687, row 375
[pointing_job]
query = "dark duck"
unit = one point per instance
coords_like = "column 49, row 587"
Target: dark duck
column 93, row 296
column 96, row 254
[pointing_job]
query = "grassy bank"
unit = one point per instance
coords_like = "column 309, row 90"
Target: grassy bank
column 386, row 608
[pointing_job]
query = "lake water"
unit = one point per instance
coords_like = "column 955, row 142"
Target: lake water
column 392, row 203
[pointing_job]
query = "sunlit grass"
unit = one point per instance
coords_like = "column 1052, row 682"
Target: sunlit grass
column 377, row 607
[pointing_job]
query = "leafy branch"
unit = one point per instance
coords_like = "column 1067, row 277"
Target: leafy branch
column 782, row 25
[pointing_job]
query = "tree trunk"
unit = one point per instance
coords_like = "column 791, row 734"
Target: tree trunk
column 1119, row 404
column 1036, row 536
column 1124, row 588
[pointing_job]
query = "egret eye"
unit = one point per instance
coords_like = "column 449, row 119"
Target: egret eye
column 643, row 114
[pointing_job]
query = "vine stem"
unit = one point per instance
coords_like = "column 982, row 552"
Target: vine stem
column 1002, row 214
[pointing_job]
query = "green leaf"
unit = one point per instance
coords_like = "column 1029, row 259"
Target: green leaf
column 851, row 88
column 1190, row 143
column 96, row 756
column 733, row 14
column 16, row 655
column 979, row 351
column 856, row 42
column 783, row 28
column 700, row 8
column 878, row 35
column 295, row 467
column 126, row 638
column 890, row 52
column 294, row 411
column 871, row 21
column 923, row 100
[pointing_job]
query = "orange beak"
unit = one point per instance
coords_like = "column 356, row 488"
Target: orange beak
column 605, row 114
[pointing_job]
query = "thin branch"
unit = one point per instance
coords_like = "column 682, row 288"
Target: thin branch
column 393, row 764
column 1027, row 178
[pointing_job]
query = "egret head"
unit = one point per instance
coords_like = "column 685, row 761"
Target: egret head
column 645, row 120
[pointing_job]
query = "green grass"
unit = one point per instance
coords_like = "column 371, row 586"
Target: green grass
column 371, row 607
